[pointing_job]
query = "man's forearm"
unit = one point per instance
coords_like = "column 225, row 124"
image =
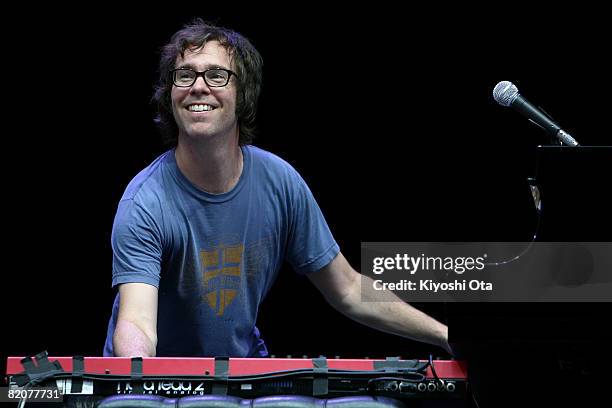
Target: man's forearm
column 131, row 341
column 384, row 311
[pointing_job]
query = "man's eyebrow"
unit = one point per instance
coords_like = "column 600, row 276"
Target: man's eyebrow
column 208, row 66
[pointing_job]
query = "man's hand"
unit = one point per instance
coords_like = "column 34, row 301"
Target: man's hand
column 136, row 331
column 340, row 284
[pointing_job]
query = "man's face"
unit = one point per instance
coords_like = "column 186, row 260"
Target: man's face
column 221, row 120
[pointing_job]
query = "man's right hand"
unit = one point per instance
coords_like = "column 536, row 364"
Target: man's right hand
column 136, row 330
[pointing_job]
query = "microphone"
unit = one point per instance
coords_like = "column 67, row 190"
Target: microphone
column 506, row 94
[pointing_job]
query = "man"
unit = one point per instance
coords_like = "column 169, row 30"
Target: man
column 200, row 234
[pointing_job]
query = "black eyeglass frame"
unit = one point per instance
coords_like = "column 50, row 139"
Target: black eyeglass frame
column 203, row 75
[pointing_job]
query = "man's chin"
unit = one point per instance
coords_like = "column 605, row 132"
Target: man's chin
column 204, row 131
column 199, row 132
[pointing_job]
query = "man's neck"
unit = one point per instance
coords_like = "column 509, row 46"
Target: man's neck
column 213, row 166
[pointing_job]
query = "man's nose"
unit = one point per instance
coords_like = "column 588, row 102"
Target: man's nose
column 200, row 85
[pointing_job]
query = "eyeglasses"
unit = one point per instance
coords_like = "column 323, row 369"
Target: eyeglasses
column 214, row 77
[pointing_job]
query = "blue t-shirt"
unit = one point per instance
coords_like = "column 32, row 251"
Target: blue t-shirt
column 214, row 257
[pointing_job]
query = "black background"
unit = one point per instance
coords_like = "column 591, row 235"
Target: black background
column 388, row 117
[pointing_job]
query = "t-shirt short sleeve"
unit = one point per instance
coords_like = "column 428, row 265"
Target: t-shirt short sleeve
column 311, row 244
column 136, row 244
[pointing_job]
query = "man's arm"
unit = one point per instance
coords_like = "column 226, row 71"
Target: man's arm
column 340, row 284
column 136, row 330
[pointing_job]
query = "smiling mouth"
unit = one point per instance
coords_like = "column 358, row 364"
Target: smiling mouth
column 200, row 108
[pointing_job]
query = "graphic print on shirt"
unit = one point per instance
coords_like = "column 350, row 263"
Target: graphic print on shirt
column 221, row 275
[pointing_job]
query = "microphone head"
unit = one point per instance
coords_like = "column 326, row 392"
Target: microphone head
column 505, row 93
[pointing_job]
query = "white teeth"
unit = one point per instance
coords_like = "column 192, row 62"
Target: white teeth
column 200, row 108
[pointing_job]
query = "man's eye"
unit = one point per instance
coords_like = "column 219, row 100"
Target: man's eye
column 185, row 75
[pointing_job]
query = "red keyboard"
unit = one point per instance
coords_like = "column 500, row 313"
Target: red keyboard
column 244, row 377
column 182, row 366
